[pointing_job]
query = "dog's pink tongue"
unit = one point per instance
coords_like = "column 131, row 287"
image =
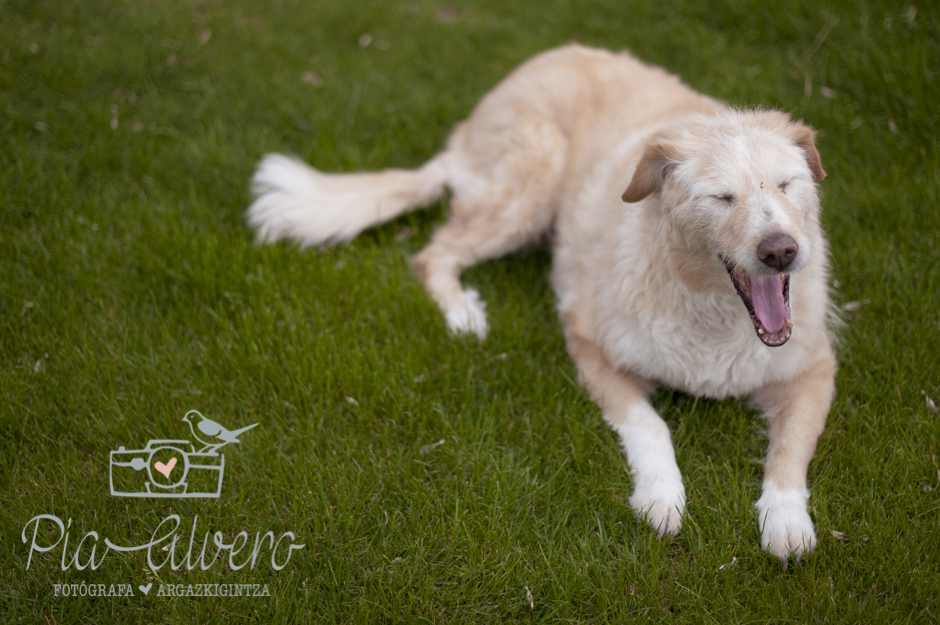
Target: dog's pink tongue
column 767, row 298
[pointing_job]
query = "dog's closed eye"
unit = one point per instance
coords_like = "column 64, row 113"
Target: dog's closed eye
column 727, row 198
column 783, row 186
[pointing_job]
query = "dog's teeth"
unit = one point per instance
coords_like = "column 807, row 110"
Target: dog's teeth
column 761, row 331
column 788, row 324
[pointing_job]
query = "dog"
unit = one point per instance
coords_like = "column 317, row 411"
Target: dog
column 686, row 242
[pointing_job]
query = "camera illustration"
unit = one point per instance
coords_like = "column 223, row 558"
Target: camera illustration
column 175, row 468
column 142, row 473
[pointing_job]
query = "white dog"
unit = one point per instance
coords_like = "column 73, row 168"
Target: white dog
column 687, row 252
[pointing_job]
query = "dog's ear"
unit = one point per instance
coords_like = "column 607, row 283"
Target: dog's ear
column 805, row 138
column 658, row 157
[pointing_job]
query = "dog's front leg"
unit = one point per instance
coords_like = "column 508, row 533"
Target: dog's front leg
column 658, row 493
column 796, row 412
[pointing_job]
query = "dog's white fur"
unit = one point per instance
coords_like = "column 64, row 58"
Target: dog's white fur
column 642, row 286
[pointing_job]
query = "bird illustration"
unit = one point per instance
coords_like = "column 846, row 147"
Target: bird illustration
column 201, row 426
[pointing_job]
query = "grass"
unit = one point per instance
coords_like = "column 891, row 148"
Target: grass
column 131, row 293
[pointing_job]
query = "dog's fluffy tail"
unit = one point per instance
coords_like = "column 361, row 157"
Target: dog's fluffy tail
column 295, row 201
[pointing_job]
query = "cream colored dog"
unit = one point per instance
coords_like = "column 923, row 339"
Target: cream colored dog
column 687, row 252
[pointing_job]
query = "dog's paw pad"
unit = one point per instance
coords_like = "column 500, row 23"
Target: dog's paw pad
column 786, row 528
column 468, row 316
column 661, row 505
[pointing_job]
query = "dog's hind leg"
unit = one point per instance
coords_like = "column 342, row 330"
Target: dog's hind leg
column 461, row 243
column 658, row 492
column 497, row 208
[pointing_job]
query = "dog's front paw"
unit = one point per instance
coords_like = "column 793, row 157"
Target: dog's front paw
column 661, row 503
column 468, row 315
column 786, row 528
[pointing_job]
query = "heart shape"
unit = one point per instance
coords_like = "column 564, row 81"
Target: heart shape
column 146, row 589
column 165, row 469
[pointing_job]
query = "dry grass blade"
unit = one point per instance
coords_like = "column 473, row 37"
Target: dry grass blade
column 818, row 41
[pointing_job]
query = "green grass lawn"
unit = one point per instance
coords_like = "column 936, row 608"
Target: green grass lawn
column 130, row 292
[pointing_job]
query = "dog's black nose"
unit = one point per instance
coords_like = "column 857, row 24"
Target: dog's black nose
column 778, row 250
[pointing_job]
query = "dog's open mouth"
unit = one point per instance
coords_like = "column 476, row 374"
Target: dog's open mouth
column 767, row 299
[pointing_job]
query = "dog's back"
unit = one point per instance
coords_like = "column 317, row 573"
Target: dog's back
column 565, row 108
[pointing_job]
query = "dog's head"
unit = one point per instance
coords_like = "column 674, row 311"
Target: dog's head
column 739, row 191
